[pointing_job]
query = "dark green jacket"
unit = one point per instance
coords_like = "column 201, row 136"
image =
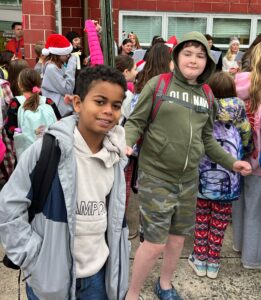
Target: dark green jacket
column 179, row 136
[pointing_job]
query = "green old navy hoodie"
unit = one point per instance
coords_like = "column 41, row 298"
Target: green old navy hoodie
column 179, row 136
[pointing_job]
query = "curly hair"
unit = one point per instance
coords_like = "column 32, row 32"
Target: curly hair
column 89, row 76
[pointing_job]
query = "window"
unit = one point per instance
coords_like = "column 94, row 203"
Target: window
column 144, row 27
column 166, row 24
column 179, row 26
column 4, row 33
column 258, row 30
column 224, row 29
column 11, row 2
column 8, row 15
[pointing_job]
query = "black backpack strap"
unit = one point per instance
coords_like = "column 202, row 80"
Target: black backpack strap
column 44, row 173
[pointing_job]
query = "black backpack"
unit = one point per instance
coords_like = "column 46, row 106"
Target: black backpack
column 43, row 176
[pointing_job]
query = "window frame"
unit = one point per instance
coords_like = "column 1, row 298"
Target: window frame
column 10, row 4
column 254, row 18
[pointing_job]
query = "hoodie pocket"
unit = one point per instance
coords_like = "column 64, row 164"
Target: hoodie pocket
column 51, row 276
column 171, row 156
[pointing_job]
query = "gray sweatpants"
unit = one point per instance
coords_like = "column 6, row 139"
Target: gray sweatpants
column 246, row 219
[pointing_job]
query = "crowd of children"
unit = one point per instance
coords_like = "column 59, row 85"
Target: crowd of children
column 198, row 131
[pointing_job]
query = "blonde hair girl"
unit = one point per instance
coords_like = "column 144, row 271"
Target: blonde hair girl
column 229, row 63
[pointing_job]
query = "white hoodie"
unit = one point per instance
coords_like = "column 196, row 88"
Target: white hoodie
column 95, row 179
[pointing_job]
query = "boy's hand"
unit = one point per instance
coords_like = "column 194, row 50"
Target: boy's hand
column 128, row 151
column 243, row 167
column 68, row 99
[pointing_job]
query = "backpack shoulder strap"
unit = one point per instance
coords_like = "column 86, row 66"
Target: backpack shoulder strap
column 209, row 95
column 44, row 174
column 161, row 88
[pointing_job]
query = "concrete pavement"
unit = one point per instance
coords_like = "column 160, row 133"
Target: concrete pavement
column 233, row 282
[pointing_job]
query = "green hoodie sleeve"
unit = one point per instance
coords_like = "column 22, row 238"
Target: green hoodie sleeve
column 212, row 147
column 139, row 119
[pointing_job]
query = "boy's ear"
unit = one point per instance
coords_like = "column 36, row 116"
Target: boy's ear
column 76, row 103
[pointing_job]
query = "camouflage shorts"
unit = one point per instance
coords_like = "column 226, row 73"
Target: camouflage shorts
column 166, row 208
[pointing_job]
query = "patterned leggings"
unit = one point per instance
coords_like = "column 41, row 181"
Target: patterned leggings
column 211, row 222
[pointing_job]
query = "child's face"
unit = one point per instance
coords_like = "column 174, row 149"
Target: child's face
column 101, row 109
column 234, row 47
column 76, row 42
column 192, row 62
column 64, row 58
column 130, row 75
column 127, row 48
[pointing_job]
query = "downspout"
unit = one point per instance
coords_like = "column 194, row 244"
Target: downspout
column 85, row 17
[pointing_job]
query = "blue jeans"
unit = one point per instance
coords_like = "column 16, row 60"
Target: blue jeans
column 88, row 288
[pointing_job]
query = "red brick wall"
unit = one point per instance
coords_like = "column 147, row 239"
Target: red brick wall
column 72, row 16
column 204, row 6
column 38, row 23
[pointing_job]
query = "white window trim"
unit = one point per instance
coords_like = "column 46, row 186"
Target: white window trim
column 210, row 17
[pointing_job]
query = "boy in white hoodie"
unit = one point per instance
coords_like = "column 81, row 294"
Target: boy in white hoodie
column 73, row 248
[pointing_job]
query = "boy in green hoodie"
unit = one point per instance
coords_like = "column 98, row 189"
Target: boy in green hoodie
column 172, row 147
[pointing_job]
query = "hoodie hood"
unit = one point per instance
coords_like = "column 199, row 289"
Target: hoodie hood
column 114, row 140
column 242, row 81
column 210, row 66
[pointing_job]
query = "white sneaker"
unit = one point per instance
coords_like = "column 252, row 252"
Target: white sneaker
column 252, row 267
column 212, row 270
column 235, row 249
column 199, row 266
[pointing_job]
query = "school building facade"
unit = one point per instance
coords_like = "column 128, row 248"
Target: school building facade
column 220, row 18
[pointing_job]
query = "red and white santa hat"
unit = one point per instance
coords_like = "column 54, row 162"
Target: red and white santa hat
column 57, row 44
column 172, row 42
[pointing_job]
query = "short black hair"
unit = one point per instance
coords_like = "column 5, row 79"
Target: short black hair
column 15, row 24
column 208, row 37
column 88, row 76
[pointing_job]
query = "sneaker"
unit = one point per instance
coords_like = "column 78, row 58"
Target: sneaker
column 212, row 270
column 170, row 294
column 199, row 266
column 252, row 267
column 235, row 249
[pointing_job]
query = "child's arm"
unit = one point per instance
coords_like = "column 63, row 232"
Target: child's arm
column 55, row 81
column 8, row 95
column 11, row 120
column 138, row 120
column 21, row 242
